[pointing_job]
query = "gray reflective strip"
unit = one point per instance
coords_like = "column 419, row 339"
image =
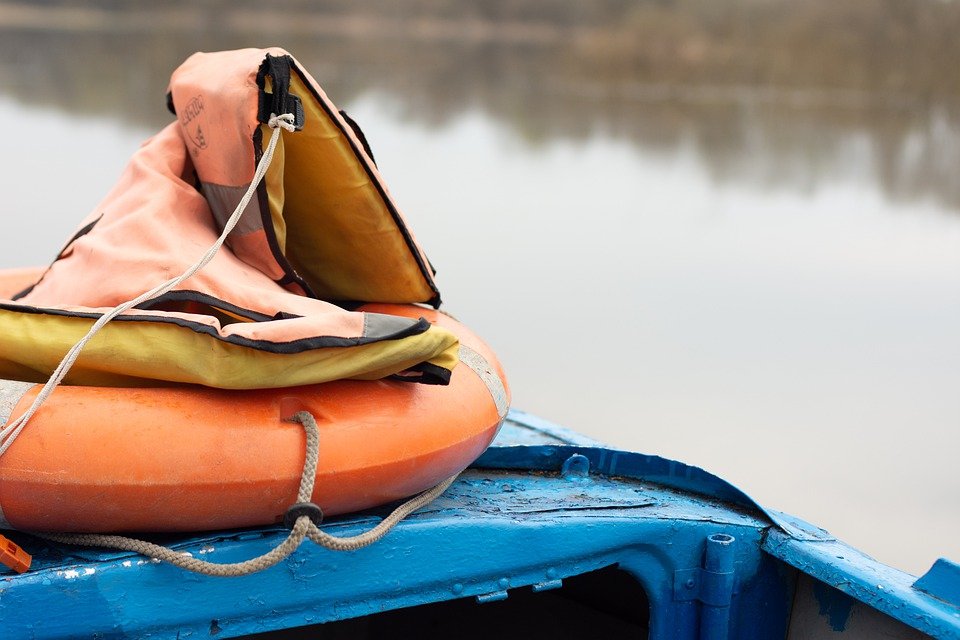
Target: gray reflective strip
column 10, row 393
column 379, row 325
column 482, row 368
column 224, row 200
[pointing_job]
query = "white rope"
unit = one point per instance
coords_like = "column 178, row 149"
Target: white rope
column 302, row 528
column 9, row 433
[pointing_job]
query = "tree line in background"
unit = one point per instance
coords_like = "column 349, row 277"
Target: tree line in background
column 890, row 46
column 781, row 80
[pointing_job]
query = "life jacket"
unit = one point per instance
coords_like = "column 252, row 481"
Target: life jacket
column 272, row 308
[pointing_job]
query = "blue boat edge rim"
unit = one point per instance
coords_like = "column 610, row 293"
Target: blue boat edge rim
column 930, row 603
column 640, row 466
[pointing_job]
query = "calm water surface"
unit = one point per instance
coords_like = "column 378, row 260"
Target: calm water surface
column 765, row 285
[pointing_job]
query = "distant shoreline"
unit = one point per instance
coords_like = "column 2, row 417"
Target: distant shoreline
column 901, row 48
column 192, row 18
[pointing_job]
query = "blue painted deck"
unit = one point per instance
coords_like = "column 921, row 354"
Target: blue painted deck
column 526, row 516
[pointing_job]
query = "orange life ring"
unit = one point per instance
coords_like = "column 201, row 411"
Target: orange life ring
column 97, row 459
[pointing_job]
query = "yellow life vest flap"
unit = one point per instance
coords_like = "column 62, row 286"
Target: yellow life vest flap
column 324, row 222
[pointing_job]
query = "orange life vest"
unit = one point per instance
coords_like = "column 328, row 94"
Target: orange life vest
column 272, row 308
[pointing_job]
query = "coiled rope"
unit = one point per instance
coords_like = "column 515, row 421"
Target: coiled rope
column 303, row 527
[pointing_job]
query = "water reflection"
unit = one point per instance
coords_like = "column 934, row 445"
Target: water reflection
column 797, row 138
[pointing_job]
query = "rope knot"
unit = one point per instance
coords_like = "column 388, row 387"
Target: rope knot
column 284, row 121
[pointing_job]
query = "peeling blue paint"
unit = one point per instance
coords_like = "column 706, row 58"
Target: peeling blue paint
column 885, row 589
column 834, row 605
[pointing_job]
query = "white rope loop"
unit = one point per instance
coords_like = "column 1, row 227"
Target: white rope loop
column 9, row 433
column 286, row 121
column 303, row 528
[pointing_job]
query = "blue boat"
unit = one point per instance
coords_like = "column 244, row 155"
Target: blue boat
column 548, row 534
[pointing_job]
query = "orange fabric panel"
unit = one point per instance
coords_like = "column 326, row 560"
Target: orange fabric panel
column 155, row 225
column 215, row 95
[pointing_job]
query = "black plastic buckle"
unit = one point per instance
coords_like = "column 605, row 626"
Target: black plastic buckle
column 309, row 509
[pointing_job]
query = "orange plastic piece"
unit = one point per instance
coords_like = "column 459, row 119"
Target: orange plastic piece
column 13, row 556
column 97, row 459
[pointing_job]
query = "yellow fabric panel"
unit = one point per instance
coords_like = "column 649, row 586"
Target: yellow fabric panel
column 341, row 237
column 274, row 181
column 178, row 354
column 275, row 192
